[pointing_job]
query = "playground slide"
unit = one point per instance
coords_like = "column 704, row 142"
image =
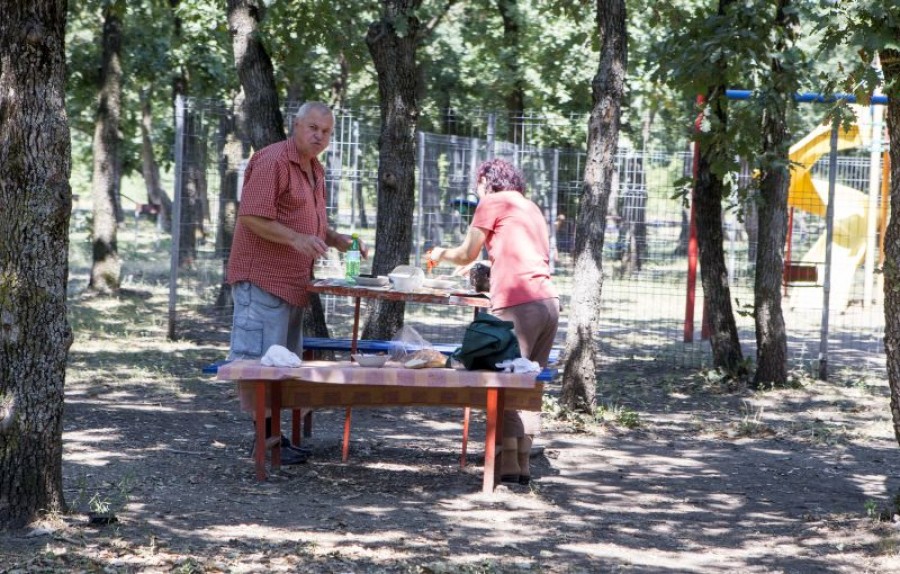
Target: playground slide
column 850, row 208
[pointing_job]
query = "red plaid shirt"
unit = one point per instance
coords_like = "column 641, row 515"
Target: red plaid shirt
column 276, row 188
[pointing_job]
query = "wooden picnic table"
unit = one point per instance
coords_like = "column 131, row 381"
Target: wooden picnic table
column 317, row 384
column 423, row 295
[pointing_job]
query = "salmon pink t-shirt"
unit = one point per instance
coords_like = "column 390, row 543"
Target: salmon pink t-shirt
column 518, row 246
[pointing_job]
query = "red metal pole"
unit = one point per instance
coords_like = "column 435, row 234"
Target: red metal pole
column 693, row 249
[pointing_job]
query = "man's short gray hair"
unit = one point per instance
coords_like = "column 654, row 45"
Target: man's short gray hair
column 313, row 106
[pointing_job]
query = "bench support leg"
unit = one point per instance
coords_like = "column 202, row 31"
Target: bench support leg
column 259, row 448
column 276, row 424
column 467, row 412
column 345, row 449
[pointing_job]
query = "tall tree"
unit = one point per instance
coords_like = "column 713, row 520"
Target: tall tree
column 35, row 204
column 874, row 28
column 608, row 87
column 106, row 266
column 393, row 40
column 890, row 62
column 709, row 192
column 704, row 49
column 511, row 61
column 777, row 101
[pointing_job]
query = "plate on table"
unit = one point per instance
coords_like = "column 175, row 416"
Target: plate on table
column 372, row 281
column 438, row 283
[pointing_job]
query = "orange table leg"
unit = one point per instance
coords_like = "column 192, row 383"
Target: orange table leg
column 490, row 440
column 276, row 424
column 501, row 408
column 259, row 448
column 345, row 449
column 465, row 442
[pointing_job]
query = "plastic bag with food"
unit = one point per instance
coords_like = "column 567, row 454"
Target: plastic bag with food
column 413, row 351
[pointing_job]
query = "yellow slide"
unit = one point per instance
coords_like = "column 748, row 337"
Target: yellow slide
column 850, row 208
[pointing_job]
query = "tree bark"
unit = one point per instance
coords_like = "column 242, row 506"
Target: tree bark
column 709, row 190
column 156, row 195
column 515, row 96
column 254, row 68
column 394, row 56
column 890, row 64
column 775, row 177
column 35, row 205
column 261, row 111
column 106, row 266
column 580, row 372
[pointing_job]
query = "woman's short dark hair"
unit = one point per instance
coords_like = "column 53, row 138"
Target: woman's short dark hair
column 500, row 175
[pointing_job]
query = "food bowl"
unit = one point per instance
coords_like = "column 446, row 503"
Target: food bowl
column 370, row 281
column 406, row 278
column 370, row 360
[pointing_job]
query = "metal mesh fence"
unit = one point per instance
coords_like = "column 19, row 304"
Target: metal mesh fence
column 645, row 304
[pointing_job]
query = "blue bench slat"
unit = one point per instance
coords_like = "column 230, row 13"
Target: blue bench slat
column 380, row 346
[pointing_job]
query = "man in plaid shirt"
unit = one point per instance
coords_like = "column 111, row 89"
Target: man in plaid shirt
column 282, row 228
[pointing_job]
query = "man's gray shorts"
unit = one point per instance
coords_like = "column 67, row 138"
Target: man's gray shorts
column 262, row 320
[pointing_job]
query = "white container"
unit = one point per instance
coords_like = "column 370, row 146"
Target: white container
column 406, row 278
column 370, row 360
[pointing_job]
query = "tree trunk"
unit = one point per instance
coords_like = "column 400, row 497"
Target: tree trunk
column 106, row 267
column 580, row 372
column 35, row 205
column 775, row 177
column 890, row 64
column 264, row 123
column 231, row 153
column 254, row 68
column 709, row 190
column 708, row 194
column 394, row 56
column 156, row 195
column 515, row 96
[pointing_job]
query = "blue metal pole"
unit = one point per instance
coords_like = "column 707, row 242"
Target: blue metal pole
column 809, row 97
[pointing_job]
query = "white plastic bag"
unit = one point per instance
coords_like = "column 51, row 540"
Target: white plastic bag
column 278, row 356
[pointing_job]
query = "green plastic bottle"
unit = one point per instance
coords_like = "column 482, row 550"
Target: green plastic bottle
column 352, row 260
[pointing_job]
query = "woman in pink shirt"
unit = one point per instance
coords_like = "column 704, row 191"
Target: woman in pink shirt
column 513, row 230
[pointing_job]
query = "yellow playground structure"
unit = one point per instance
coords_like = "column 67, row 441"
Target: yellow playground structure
column 853, row 231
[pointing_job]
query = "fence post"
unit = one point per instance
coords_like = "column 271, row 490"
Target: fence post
column 554, row 209
column 829, row 238
column 176, row 212
column 420, row 161
column 872, row 215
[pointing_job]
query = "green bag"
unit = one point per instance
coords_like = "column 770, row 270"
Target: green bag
column 488, row 340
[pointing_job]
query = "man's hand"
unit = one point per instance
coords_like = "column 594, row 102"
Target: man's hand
column 342, row 241
column 309, row 245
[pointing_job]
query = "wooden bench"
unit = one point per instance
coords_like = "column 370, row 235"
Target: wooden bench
column 801, row 273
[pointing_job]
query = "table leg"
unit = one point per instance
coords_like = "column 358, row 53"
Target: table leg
column 276, row 424
column 355, row 327
column 467, row 412
column 490, row 439
column 345, row 449
column 307, row 424
column 259, row 448
column 296, row 416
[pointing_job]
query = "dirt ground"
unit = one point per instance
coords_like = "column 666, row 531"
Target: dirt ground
column 683, row 473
